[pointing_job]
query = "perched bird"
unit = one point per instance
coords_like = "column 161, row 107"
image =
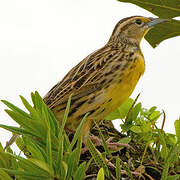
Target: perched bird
column 104, row 79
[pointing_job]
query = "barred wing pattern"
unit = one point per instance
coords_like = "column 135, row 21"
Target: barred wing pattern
column 85, row 78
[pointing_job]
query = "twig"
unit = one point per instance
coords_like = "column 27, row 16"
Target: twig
column 154, row 156
column 90, row 176
column 127, row 116
column 148, row 176
column 145, row 150
column 164, row 119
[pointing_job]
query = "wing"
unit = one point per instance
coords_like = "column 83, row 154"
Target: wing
column 85, row 78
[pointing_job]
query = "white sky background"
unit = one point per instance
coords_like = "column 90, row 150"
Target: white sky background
column 41, row 40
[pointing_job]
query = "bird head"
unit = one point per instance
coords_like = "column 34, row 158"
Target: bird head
column 134, row 28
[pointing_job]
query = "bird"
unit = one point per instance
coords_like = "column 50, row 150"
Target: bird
column 105, row 79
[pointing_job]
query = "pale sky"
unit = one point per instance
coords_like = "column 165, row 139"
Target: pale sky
column 41, row 40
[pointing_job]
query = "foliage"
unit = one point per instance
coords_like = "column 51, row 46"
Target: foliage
column 49, row 154
column 100, row 175
column 163, row 9
column 140, row 124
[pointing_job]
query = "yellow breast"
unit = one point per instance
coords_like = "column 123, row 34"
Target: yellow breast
column 122, row 89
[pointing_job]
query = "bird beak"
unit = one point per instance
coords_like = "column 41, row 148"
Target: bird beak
column 155, row 21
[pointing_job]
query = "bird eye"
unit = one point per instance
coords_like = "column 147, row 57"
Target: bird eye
column 138, row 21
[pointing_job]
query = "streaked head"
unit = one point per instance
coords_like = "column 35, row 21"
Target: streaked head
column 134, row 27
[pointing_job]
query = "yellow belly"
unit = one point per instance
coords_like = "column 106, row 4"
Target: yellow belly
column 120, row 91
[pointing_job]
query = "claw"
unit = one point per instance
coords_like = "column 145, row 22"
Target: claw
column 115, row 145
column 111, row 145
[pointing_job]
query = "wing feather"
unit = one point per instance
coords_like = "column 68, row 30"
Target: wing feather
column 83, row 79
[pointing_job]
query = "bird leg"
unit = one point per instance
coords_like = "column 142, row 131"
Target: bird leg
column 111, row 145
column 116, row 145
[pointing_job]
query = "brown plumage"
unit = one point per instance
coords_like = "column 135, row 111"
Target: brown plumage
column 104, row 79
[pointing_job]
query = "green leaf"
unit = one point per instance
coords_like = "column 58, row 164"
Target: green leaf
column 88, row 164
column 54, row 121
column 175, row 177
column 17, row 130
column 103, row 140
column 154, row 116
column 66, row 114
column 78, row 147
column 118, row 168
column 72, row 163
column 12, row 162
column 3, row 161
column 49, row 149
column 124, row 108
column 171, row 139
column 66, row 142
column 27, row 175
column 164, row 149
column 42, row 165
column 45, row 119
column 152, row 109
column 114, row 115
column 36, row 151
column 165, row 171
column 146, row 126
column 49, row 119
column 97, row 156
column 174, row 153
column 171, row 158
column 60, row 153
column 177, row 128
column 22, row 146
column 15, row 109
column 80, row 172
column 4, row 175
column 100, row 175
column 32, row 111
column 77, row 133
column 25, row 122
column 63, row 170
column 135, row 111
column 37, row 101
column 162, row 32
column 136, row 129
column 125, row 140
column 32, row 165
column 164, row 9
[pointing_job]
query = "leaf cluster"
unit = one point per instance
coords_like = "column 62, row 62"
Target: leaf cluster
column 140, row 125
column 49, row 153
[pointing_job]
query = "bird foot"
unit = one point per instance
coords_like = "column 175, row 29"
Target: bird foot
column 111, row 145
column 116, row 145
